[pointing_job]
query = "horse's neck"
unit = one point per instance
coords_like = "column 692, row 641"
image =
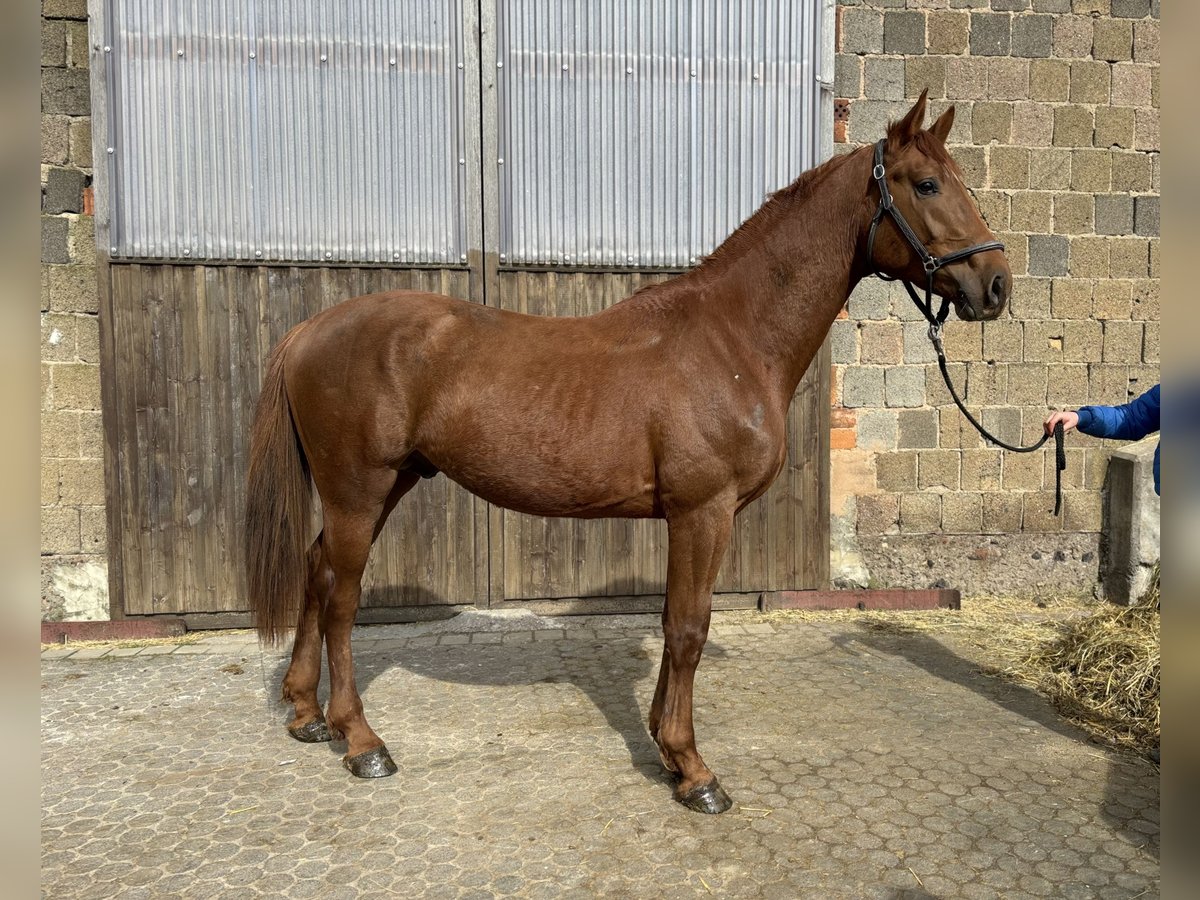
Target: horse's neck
column 783, row 284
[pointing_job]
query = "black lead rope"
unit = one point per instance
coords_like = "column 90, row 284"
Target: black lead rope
column 931, row 264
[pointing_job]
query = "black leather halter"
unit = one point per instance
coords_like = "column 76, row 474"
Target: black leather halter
column 931, row 264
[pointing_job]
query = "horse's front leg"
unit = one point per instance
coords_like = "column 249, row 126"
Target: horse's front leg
column 697, row 540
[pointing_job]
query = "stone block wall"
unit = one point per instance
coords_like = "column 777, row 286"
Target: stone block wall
column 1057, row 133
column 74, row 570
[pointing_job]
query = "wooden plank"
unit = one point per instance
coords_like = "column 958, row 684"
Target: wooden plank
column 110, row 400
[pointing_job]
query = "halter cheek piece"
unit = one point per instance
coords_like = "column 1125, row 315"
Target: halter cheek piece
column 931, row 264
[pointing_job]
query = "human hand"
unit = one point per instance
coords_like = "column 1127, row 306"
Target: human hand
column 1068, row 418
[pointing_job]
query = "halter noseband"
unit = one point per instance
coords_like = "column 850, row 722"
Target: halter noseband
column 929, row 262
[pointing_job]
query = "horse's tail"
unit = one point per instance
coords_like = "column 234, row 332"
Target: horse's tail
column 278, row 507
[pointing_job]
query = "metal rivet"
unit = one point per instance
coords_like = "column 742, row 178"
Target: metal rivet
column 629, row 71
column 500, row 162
column 693, row 260
column 499, row 65
column 112, row 250
column 258, row 253
column 693, row 74
column 629, row 259
column 461, row 161
column 179, row 53
column 564, row 67
column 328, row 254
column 460, row 65
column 108, row 49
column 395, row 256
column 566, row 259
column 391, row 62
column 109, row 150
column 503, row 257
column 187, row 252
column 462, row 258
column 324, row 57
column 756, row 76
column 252, row 54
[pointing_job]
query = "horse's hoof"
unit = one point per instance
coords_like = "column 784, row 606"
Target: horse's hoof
column 314, row 732
column 706, row 798
column 375, row 763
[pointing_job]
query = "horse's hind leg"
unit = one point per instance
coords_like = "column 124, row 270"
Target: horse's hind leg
column 300, row 683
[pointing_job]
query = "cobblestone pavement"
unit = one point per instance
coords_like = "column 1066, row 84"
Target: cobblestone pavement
column 862, row 764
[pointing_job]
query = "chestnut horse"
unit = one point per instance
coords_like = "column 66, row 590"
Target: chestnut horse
column 670, row 404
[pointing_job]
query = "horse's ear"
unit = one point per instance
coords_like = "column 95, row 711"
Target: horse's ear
column 906, row 129
column 941, row 128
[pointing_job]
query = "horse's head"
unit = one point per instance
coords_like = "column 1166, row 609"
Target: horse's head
column 927, row 190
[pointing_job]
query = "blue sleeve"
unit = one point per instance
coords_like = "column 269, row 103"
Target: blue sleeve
column 1129, row 422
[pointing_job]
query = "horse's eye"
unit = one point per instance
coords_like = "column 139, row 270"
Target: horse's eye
column 927, row 187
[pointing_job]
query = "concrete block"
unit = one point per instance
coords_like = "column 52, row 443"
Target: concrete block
column 1050, row 169
column 918, row 349
column 1150, row 344
column 1049, row 80
column 1004, row 423
column 1033, row 36
column 1002, row 341
column 73, row 289
column 1114, row 214
column 991, row 122
column 883, row 78
column 1008, row 167
column 1090, row 81
column 1074, row 126
column 1091, row 170
column 876, row 429
column 947, row 32
column 55, row 139
column 1067, row 387
column 1027, row 384
column 918, row 428
column 962, row 513
column 80, row 142
column 870, row 299
column 920, row 513
column 1146, row 216
column 896, row 471
column 1002, row 513
column 847, row 77
column 862, row 31
column 1131, row 85
column 1113, row 299
column 1038, row 515
column 66, row 92
column 1033, row 125
column 863, row 386
column 1130, row 171
column 93, row 530
column 1089, row 257
column 64, row 9
column 955, row 432
column 881, row 343
column 1052, row 6
column 904, row 386
column 1073, row 213
column 1130, row 9
column 986, row 384
column 1043, row 340
column 1109, row 383
column 994, row 208
column 966, row 78
column 878, row 514
column 1114, row 127
column 963, row 341
column 1022, row 472
column 843, row 341
column 63, row 191
column 1071, row 298
column 904, row 32
column 1048, row 254
column 1129, row 257
column 1072, row 36
column 1146, row 39
column 58, row 338
column 1082, row 341
column 991, row 34
column 75, row 386
column 1132, row 522
column 1008, row 79
column 54, row 240
column 54, row 43
column 938, row 468
column 981, row 468
column 60, row 530
column 926, row 73
column 1146, row 300
column 1112, row 39
column 1031, row 211
column 1123, row 342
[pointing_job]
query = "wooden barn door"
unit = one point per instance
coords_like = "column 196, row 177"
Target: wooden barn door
column 185, row 348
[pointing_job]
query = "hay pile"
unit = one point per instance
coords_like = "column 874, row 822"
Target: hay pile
column 1103, row 672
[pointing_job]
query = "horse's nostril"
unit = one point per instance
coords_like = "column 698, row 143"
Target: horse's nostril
column 995, row 295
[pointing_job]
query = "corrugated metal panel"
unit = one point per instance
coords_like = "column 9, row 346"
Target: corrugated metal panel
column 287, row 130
column 636, row 133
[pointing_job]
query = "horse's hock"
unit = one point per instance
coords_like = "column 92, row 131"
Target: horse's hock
column 1130, row 541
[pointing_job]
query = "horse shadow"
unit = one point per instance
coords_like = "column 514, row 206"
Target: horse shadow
column 617, row 672
column 938, row 660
